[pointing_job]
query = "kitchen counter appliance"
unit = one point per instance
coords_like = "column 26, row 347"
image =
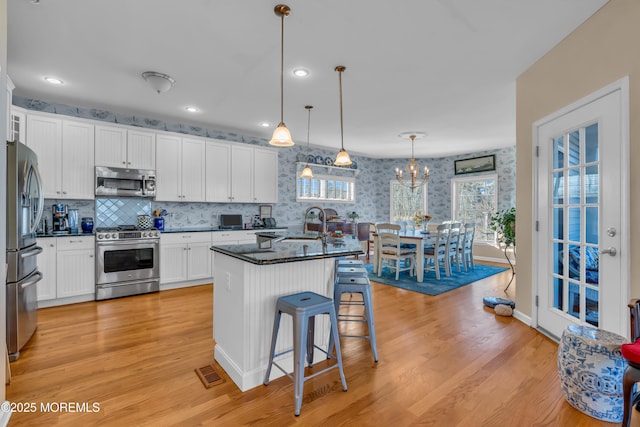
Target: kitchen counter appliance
column 127, row 261
column 25, row 204
column 120, row 182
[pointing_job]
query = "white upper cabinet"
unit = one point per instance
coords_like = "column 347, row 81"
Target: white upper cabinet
column 65, row 150
column 241, row 173
column 117, row 146
column 218, row 173
column 180, row 169
column 265, row 171
column 77, row 167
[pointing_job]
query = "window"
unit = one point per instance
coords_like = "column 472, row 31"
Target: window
column 405, row 204
column 326, row 188
column 475, row 199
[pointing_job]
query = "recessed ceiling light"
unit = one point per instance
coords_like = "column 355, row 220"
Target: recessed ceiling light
column 300, row 72
column 265, row 124
column 192, row 109
column 54, row 80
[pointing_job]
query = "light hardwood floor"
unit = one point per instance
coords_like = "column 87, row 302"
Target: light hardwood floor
column 444, row 361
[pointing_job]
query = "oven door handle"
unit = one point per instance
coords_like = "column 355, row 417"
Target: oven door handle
column 105, row 243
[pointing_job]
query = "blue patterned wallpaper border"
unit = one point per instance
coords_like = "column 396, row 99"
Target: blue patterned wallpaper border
column 372, row 188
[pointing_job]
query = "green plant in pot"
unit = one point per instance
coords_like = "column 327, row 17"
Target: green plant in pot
column 504, row 224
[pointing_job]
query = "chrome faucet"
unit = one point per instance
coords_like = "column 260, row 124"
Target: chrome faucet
column 324, row 222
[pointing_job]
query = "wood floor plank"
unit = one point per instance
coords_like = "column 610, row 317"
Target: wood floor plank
column 444, row 361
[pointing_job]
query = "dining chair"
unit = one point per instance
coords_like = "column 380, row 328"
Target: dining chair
column 453, row 246
column 465, row 253
column 394, row 254
column 436, row 255
column 363, row 231
column 387, row 227
column 631, row 353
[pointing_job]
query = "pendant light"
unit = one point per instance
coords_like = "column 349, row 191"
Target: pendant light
column 307, row 172
column 281, row 136
column 342, row 159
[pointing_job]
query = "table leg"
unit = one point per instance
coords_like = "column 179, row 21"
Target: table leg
column 376, row 254
column 420, row 262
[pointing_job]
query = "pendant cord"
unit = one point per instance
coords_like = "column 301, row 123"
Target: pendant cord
column 282, row 71
column 341, row 125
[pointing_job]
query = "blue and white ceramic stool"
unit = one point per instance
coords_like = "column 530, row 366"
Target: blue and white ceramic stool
column 590, row 367
column 303, row 307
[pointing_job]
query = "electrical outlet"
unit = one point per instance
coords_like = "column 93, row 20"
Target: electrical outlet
column 228, row 281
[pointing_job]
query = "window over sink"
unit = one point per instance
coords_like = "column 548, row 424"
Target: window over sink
column 326, row 188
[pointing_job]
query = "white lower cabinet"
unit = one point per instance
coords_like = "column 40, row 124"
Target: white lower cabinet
column 185, row 257
column 68, row 268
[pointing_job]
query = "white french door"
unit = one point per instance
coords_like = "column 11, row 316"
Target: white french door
column 581, row 242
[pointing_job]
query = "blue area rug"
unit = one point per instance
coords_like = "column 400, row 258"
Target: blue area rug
column 430, row 285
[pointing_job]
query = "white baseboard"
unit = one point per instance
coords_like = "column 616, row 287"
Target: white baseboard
column 517, row 314
column 4, row 416
column 491, row 259
column 188, row 284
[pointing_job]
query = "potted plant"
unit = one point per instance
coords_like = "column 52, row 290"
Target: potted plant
column 504, row 224
column 353, row 216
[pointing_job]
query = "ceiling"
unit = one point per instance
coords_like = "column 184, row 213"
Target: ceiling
column 444, row 67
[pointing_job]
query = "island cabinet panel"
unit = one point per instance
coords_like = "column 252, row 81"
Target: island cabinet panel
column 245, row 296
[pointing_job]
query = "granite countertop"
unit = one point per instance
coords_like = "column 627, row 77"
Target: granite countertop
column 215, row 229
column 51, row 234
column 293, row 248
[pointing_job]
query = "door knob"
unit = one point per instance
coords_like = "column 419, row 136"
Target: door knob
column 611, row 251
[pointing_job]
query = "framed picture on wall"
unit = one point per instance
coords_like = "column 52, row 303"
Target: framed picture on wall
column 475, row 164
column 265, row 211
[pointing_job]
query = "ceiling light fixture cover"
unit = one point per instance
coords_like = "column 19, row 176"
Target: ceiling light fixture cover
column 307, row 172
column 281, row 136
column 54, row 80
column 159, row 82
column 342, row 159
column 412, row 168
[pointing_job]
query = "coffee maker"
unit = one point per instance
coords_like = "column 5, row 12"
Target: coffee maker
column 60, row 214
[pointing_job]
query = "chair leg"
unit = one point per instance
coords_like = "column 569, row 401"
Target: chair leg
column 336, row 338
column 274, row 339
column 300, row 334
column 366, row 296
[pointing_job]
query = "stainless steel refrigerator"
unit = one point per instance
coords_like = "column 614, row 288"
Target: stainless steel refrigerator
column 25, row 203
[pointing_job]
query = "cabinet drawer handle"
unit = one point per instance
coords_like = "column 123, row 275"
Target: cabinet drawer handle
column 90, row 256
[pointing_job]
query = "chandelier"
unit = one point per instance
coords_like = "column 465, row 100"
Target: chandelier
column 409, row 175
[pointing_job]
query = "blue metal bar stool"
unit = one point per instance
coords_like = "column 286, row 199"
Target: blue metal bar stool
column 303, row 307
column 355, row 285
column 352, row 271
column 350, row 263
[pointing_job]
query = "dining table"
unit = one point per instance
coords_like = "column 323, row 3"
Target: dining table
column 419, row 238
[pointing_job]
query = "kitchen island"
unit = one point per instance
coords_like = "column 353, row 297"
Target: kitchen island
column 248, row 279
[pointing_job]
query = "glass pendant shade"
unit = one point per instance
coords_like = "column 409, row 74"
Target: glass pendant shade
column 306, row 172
column 342, row 159
column 281, row 136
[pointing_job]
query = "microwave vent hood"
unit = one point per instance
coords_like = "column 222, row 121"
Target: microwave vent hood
column 121, row 182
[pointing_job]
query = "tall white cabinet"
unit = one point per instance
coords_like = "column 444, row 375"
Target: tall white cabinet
column 180, row 168
column 121, row 147
column 65, row 150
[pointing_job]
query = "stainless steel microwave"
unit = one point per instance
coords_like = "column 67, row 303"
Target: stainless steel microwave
column 120, row 182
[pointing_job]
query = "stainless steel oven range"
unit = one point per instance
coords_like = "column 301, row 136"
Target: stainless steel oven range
column 127, row 262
